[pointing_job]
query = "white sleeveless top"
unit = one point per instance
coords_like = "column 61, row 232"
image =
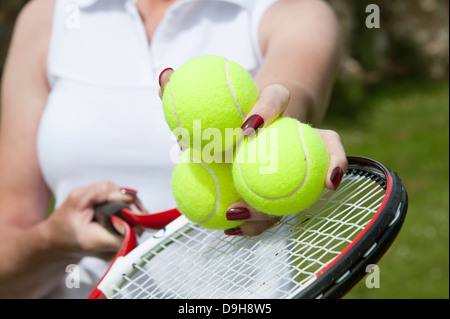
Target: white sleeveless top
column 104, row 118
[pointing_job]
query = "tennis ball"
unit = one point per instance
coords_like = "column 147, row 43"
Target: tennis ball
column 203, row 191
column 206, row 99
column 282, row 170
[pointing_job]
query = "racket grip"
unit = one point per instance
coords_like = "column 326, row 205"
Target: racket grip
column 104, row 212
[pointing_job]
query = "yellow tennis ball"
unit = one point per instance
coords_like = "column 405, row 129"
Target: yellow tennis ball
column 203, row 191
column 282, row 170
column 206, row 101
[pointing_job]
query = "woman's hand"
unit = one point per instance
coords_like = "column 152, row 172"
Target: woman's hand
column 73, row 231
column 271, row 104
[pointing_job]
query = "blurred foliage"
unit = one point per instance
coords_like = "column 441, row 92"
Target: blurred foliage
column 411, row 43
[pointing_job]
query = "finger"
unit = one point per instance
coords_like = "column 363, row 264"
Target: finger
column 338, row 158
column 136, row 205
column 242, row 211
column 252, row 228
column 108, row 192
column 97, row 239
column 272, row 101
column 88, row 196
column 256, row 228
column 255, row 222
column 164, row 78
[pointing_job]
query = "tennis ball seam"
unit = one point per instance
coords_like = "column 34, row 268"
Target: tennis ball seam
column 216, row 184
column 233, row 93
column 180, row 131
column 230, row 87
column 305, row 150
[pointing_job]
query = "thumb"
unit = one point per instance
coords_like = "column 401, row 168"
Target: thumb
column 164, row 78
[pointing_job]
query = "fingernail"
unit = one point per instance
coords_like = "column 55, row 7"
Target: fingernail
column 252, row 124
column 238, row 213
column 128, row 191
column 233, row 231
column 336, row 176
column 160, row 75
column 138, row 204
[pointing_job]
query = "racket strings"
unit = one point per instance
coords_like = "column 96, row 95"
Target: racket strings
column 200, row 263
column 325, row 237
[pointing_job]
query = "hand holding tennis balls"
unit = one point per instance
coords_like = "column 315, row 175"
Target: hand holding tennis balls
column 192, row 184
column 282, row 170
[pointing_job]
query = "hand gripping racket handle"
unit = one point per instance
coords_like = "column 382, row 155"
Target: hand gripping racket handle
column 110, row 216
column 117, row 217
column 105, row 211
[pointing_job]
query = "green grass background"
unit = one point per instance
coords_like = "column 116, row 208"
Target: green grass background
column 405, row 125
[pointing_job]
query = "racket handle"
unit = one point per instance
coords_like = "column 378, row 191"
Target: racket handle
column 107, row 214
column 104, row 212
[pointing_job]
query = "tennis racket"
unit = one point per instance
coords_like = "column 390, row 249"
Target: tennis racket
column 321, row 252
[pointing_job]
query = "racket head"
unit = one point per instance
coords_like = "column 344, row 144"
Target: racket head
column 367, row 248
column 319, row 253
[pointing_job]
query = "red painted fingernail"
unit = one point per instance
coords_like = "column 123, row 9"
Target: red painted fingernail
column 233, row 231
column 128, row 191
column 336, row 176
column 252, row 124
column 138, row 204
column 160, row 75
column 238, row 213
